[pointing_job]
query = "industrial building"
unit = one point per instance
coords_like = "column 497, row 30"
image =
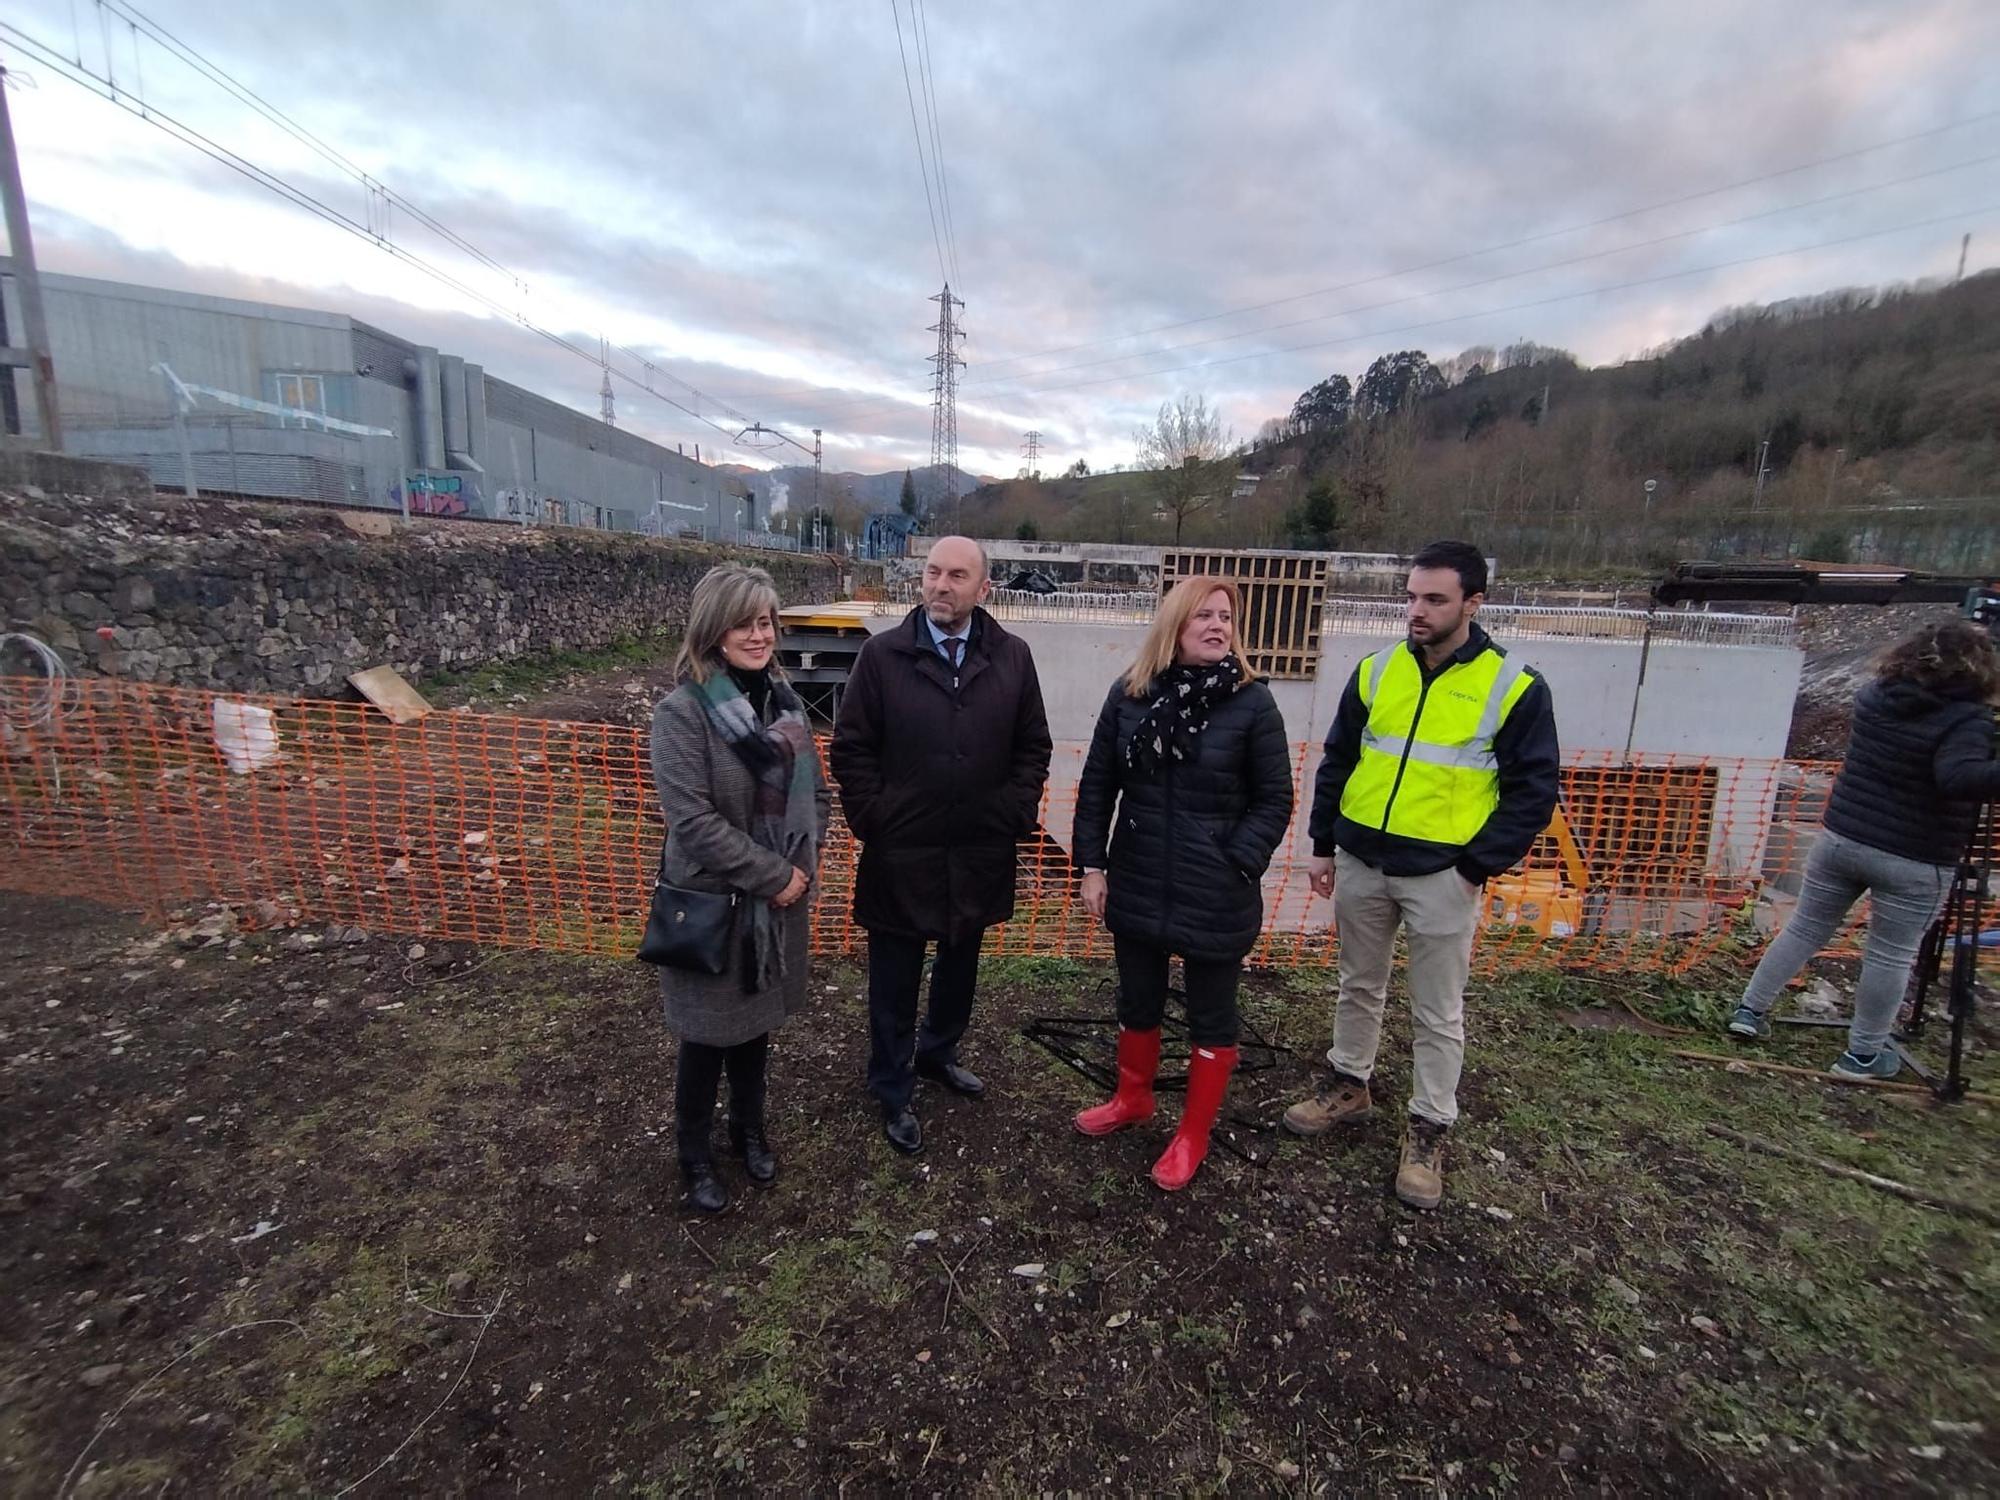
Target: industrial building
column 254, row 400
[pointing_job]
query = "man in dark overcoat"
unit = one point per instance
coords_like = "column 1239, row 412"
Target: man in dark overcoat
column 940, row 750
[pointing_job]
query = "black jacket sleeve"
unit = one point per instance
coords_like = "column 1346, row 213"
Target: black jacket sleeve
column 1268, row 767
column 855, row 755
column 1343, row 753
column 1097, row 789
column 1032, row 746
column 1964, row 763
column 1530, row 786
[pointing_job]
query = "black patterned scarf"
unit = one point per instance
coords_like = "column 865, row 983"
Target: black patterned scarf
column 1183, row 698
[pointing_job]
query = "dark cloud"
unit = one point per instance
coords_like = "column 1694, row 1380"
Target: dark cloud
column 747, row 174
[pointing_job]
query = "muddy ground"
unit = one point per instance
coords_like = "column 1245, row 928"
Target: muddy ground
column 307, row 1212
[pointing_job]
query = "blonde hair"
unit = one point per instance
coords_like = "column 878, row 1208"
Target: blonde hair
column 729, row 595
column 1156, row 652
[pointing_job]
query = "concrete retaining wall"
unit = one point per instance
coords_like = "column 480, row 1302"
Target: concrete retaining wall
column 1695, row 700
column 1720, row 702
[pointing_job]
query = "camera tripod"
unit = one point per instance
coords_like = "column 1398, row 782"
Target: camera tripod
column 1955, row 932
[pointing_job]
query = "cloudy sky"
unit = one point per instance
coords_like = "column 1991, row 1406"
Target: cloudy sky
column 1145, row 198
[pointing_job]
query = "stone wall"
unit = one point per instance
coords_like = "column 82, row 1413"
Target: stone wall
column 291, row 599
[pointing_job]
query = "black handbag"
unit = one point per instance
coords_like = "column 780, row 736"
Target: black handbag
column 688, row 929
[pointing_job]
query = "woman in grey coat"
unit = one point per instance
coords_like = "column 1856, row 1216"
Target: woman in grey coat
column 746, row 807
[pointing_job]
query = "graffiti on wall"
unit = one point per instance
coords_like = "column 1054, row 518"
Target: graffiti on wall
column 436, row 494
column 516, row 504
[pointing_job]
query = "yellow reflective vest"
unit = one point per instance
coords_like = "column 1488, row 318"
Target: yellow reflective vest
column 1427, row 769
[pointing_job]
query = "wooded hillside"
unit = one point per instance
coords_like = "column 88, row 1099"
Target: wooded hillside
column 1875, row 416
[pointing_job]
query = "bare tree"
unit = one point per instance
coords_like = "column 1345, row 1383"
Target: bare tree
column 1182, row 449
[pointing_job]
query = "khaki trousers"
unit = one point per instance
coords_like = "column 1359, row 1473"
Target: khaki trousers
column 1440, row 916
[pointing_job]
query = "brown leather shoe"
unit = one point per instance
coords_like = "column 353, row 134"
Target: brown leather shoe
column 1420, row 1178
column 1343, row 1100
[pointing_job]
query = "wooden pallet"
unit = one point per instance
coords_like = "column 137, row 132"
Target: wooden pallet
column 1284, row 602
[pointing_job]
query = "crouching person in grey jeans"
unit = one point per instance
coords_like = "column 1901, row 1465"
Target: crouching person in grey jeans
column 1920, row 760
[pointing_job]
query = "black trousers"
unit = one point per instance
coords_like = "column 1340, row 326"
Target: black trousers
column 695, row 1078
column 1211, row 992
column 895, row 969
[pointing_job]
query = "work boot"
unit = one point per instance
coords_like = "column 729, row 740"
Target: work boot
column 748, row 1141
column 703, row 1190
column 1138, row 1061
column 1420, row 1178
column 1208, row 1080
column 1341, row 1101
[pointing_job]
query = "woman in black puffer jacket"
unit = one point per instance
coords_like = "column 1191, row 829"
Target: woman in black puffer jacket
column 1919, row 762
column 1185, row 794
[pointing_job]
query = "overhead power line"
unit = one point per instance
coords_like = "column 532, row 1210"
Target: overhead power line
column 1513, row 244
column 1554, row 265
column 1028, row 384
column 104, row 86
column 856, row 408
column 219, row 76
column 864, row 405
column 922, row 29
column 916, row 131
column 1959, row 217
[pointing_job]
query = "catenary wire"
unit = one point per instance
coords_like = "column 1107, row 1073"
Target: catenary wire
column 223, row 79
column 1554, row 265
column 922, row 30
column 104, row 88
column 1028, row 384
column 1964, row 215
column 865, row 405
column 1514, row 244
column 918, row 134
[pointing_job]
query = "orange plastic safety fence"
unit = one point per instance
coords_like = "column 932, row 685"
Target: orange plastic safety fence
column 543, row 834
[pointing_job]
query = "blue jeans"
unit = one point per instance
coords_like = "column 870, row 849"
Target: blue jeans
column 1904, row 898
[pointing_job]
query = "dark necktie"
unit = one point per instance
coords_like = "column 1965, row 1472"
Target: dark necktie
column 952, row 645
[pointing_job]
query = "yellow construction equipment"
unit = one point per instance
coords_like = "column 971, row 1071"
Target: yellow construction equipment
column 1543, row 899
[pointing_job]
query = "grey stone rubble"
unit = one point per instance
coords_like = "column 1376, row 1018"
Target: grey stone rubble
column 260, row 598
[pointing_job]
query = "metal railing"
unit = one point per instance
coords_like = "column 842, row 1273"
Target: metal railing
column 1384, row 617
column 1021, row 604
column 1581, row 622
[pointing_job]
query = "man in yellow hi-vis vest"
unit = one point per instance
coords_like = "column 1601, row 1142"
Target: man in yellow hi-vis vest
column 1440, row 770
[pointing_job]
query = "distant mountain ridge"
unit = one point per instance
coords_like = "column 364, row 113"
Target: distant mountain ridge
column 872, row 492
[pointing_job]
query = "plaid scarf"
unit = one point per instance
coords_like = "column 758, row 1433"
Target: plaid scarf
column 783, row 818
column 1183, row 697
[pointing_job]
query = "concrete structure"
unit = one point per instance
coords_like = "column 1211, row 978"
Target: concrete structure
column 1118, row 565
column 887, row 535
column 459, row 441
column 1692, row 685
column 1695, row 699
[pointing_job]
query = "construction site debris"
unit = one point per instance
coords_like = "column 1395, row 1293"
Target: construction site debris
column 246, row 734
column 387, row 689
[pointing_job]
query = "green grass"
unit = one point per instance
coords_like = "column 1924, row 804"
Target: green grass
column 1028, row 971
column 1828, row 1296
column 533, row 674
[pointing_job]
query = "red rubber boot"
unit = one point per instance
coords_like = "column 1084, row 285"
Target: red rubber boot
column 1208, row 1080
column 1138, row 1061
